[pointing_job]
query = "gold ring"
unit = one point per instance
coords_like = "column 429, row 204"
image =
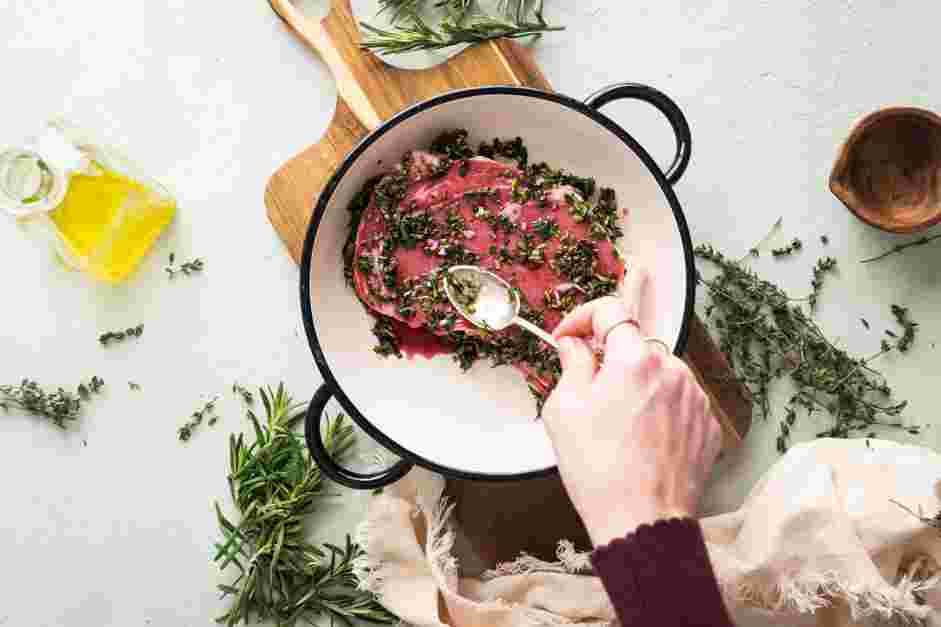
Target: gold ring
column 658, row 342
column 629, row 321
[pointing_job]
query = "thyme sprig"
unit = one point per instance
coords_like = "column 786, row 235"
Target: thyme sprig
column 898, row 248
column 207, row 411
column 59, row 406
column 186, row 268
column 119, row 336
column 766, row 337
column 463, row 23
column 275, row 487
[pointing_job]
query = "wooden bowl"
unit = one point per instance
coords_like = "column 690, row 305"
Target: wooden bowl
column 887, row 172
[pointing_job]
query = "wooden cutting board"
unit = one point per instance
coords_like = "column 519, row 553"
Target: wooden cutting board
column 371, row 91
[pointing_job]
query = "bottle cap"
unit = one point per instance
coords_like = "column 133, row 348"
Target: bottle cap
column 34, row 177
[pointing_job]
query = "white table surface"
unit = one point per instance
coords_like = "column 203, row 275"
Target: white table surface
column 211, row 98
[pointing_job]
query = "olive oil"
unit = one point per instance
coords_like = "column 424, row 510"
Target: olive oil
column 104, row 214
column 107, row 221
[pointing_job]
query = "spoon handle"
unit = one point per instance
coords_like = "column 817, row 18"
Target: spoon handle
column 537, row 331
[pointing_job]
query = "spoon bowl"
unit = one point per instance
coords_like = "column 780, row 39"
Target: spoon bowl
column 487, row 301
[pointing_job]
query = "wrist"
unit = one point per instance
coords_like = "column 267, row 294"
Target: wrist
column 619, row 524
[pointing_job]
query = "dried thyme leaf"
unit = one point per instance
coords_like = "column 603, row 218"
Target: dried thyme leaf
column 767, row 337
column 205, row 412
column 60, row 406
column 108, row 337
column 795, row 246
column 186, row 268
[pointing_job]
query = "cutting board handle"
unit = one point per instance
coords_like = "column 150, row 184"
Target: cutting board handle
column 330, row 38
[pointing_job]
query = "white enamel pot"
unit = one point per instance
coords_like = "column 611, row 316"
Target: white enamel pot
column 481, row 424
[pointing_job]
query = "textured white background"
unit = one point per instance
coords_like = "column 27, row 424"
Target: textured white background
column 211, row 98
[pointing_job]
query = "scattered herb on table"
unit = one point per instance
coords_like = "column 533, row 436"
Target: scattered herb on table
column 898, row 248
column 186, row 268
column 795, row 246
column 824, row 265
column 246, row 395
column 462, row 23
column 865, row 323
column 60, row 406
column 276, row 486
column 755, row 251
column 94, row 385
column 909, row 328
column 767, row 336
column 119, row 336
column 825, row 240
column 206, row 412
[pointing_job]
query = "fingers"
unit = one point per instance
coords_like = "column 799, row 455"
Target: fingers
column 634, row 289
column 592, row 318
column 578, row 362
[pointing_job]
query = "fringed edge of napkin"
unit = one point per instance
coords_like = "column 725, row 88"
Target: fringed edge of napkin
column 808, row 592
column 570, row 561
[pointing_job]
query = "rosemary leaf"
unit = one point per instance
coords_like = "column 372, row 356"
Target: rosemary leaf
column 460, row 25
column 275, row 486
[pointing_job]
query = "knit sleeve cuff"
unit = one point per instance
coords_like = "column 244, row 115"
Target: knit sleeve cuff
column 661, row 575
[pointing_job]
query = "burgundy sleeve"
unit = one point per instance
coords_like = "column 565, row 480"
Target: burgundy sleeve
column 660, row 575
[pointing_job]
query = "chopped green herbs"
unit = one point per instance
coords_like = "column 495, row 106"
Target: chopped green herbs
column 107, row 338
column 546, row 228
column 824, row 240
column 134, row 387
column 384, row 331
column 465, row 289
column 547, row 177
column 510, row 149
column 59, row 406
column 206, row 412
column 453, row 144
column 281, row 577
column 766, row 337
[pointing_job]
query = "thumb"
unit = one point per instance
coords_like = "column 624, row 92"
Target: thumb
column 578, row 361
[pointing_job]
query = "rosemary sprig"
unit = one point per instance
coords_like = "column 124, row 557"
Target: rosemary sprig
column 462, row 24
column 185, row 432
column 901, row 247
column 767, row 337
column 119, row 336
column 60, row 406
column 275, row 486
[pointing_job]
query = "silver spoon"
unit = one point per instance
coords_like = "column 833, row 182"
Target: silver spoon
column 488, row 301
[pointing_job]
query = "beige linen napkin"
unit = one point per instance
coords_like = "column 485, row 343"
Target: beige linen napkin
column 819, row 533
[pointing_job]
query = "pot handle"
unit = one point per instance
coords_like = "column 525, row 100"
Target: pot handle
column 666, row 106
column 343, row 476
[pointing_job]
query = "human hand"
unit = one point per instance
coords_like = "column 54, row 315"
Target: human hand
column 635, row 440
